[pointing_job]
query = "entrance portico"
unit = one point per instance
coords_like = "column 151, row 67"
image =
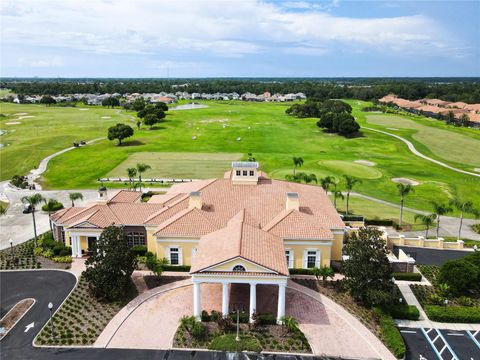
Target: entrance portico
column 228, row 278
column 80, row 240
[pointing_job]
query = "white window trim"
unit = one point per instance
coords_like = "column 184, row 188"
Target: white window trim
column 291, row 257
column 318, row 258
column 180, row 255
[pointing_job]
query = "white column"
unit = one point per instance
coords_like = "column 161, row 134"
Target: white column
column 196, row 300
column 73, row 245
column 79, row 247
column 281, row 302
column 253, row 300
column 225, row 299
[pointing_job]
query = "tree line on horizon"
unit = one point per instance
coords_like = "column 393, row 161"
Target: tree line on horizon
column 449, row 89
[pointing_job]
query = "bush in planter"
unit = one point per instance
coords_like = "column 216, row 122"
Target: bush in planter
column 407, row 276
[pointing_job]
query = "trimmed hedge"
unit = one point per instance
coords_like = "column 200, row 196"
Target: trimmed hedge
column 407, row 312
column 380, row 222
column 453, row 314
column 179, row 268
column 407, row 276
column 267, row 319
column 300, row 271
column 391, row 335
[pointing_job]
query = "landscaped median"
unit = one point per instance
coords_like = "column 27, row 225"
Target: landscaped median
column 216, row 332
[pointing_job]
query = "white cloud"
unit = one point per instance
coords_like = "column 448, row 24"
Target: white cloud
column 44, row 61
column 217, row 28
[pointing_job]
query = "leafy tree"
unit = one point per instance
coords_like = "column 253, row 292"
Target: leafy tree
column 119, row 132
column 403, row 191
column 450, row 118
column 162, row 106
column 150, row 120
column 350, row 182
column 440, row 209
column 297, row 162
column 141, row 168
column 464, row 120
column 327, row 120
column 346, row 125
column 462, row 276
column 465, row 207
column 110, row 267
column 426, row 220
column 138, row 104
column 50, row 206
column 150, row 109
column 47, row 100
column 75, row 196
column 132, row 172
column 33, row 200
column 110, row 102
column 325, row 183
column 367, row 271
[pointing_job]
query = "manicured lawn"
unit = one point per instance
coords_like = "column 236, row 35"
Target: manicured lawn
column 178, row 165
column 262, row 128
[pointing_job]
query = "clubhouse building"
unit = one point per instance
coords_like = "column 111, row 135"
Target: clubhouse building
column 240, row 229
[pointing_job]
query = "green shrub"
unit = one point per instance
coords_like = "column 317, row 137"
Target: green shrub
column 461, row 276
column 407, row 276
column 214, row 315
column 139, row 250
column 228, row 343
column 179, row 268
column 453, row 314
column 37, row 251
column 465, row 301
column 62, row 259
column 243, row 317
column 300, row 271
column 407, row 312
column 204, row 316
column 435, row 299
column 391, row 335
column 476, row 228
column 267, row 319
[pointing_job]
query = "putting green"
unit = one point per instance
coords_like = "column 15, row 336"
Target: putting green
column 178, row 165
column 340, row 167
column 448, row 145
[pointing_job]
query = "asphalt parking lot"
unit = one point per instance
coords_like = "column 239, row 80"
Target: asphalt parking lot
column 425, row 256
column 437, row 344
column 51, row 285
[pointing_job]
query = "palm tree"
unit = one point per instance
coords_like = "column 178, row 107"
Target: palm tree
column 297, row 162
column 464, row 207
column 440, row 209
column 350, row 182
column 403, row 190
column 132, row 172
column 324, row 272
column 325, row 183
column 75, row 196
column 33, row 201
column 309, row 178
column 426, row 220
column 337, row 194
column 50, row 206
column 141, row 168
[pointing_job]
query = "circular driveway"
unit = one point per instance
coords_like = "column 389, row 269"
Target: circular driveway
column 151, row 320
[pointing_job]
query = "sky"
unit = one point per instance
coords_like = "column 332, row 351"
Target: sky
column 239, row 38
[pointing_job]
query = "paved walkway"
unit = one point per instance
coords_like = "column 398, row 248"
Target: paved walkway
column 154, row 317
column 412, row 148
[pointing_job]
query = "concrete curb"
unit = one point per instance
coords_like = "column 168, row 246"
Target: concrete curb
column 20, row 318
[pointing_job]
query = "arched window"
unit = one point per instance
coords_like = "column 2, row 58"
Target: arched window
column 239, row 268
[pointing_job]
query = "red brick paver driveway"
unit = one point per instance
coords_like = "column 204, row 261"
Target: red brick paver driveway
column 151, row 320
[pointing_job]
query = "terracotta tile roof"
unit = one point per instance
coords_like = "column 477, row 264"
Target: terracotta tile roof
column 188, row 222
column 188, row 187
column 458, row 105
column 292, row 224
column 430, row 108
column 239, row 239
column 162, row 199
column 436, row 102
column 473, row 107
column 65, row 213
column 125, row 196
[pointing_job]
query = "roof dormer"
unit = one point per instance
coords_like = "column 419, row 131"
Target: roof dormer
column 244, row 172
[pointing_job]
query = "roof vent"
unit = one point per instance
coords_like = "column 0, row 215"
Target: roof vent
column 293, row 201
column 195, row 200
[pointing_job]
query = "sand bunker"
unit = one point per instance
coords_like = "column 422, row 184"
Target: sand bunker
column 20, row 114
column 213, row 121
column 392, row 129
column 405, row 181
column 13, row 123
column 476, row 169
column 106, row 117
column 365, row 162
column 82, row 109
column 25, row 117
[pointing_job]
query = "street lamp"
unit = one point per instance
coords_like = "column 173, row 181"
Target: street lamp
column 445, row 302
column 50, row 307
column 400, row 300
column 11, row 245
column 238, row 325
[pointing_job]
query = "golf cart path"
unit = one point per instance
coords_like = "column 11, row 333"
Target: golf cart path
column 42, row 167
column 412, row 148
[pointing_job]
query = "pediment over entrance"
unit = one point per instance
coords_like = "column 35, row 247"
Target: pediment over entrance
column 238, row 264
column 85, row 225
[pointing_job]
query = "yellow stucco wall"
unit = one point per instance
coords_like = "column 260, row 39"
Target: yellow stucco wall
column 337, row 246
column 161, row 249
column 299, row 250
column 67, row 238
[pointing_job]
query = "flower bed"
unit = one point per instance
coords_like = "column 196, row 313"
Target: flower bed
column 80, row 319
column 22, row 258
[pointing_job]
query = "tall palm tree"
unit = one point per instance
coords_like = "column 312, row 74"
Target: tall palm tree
column 350, row 182
column 141, row 168
column 50, row 206
column 297, row 162
column 75, row 196
column 426, row 220
column 337, row 194
column 440, row 209
column 403, row 191
column 465, row 207
column 325, row 183
column 33, row 200
column 132, row 172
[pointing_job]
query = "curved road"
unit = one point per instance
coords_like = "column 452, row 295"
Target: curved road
column 51, row 285
column 412, row 148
